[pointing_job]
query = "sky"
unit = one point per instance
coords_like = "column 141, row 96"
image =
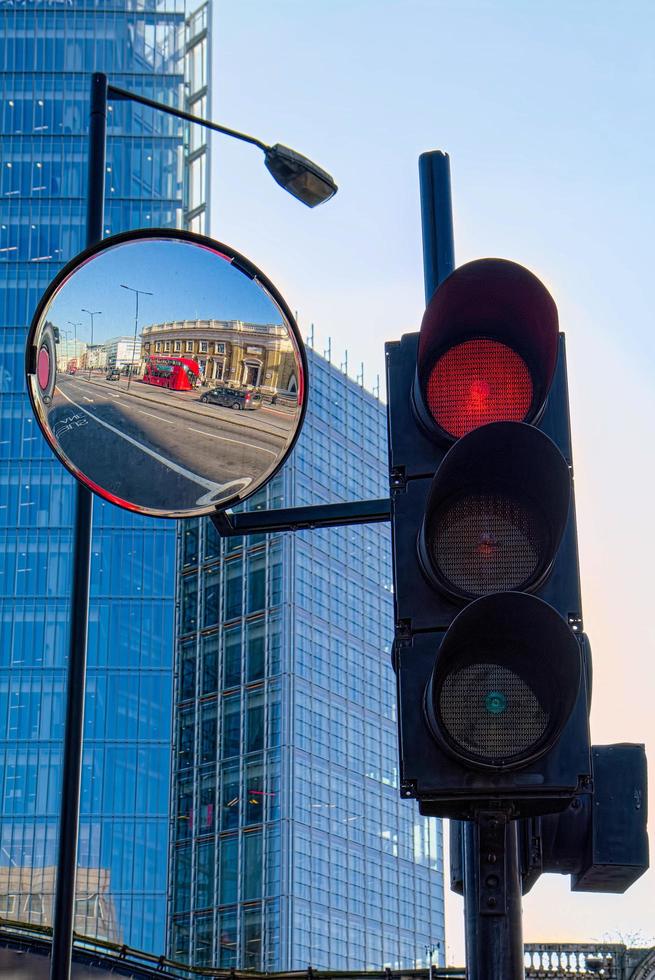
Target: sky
column 546, row 112
column 176, row 281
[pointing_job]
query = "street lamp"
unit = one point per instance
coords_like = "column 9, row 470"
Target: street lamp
column 137, row 293
column 91, row 314
column 310, row 184
column 299, row 175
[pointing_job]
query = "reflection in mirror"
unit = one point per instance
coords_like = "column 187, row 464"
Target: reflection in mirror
column 167, row 373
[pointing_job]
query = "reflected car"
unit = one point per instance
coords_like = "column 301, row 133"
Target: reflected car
column 236, row 398
column 113, row 375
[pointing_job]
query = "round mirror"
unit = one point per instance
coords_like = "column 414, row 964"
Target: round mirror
column 167, row 373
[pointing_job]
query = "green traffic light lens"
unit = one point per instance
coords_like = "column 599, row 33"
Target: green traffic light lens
column 495, row 702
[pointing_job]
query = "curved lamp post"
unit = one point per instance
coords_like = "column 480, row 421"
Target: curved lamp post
column 306, row 181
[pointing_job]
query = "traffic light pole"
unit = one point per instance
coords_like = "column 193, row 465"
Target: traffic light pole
column 491, row 878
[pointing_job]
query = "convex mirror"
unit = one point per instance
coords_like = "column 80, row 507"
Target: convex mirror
column 167, row 373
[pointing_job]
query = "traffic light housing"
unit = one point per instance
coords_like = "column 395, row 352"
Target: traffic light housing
column 493, row 668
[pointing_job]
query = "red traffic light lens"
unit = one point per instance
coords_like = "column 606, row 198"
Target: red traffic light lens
column 488, row 542
column 476, row 382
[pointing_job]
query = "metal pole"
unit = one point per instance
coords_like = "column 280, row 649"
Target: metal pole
column 64, row 908
column 492, row 899
column 436, row 219
column 494, row 942
column 136, row 292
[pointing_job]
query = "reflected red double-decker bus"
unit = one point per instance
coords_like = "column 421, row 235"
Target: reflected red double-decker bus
column 178, row 373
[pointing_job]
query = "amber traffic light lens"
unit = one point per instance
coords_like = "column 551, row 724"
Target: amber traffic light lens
column 488, row 542
column 476, row 382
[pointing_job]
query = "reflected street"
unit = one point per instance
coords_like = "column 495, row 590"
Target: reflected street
column 132, row 436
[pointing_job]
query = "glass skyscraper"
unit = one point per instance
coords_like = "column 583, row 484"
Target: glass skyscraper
column 290, row 845
column 47, row 52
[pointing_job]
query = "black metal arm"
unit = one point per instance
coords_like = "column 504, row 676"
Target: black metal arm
column 229, row 525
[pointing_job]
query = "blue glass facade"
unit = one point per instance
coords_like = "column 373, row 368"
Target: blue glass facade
column 290, row 844
column 47, row 52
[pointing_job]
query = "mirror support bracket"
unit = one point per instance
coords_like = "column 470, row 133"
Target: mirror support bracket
column 229, row 525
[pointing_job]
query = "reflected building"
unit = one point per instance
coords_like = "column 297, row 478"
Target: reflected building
column 122, row 352
column 47, row 53
column 27, row 895
column 290, row 844
column 229, row 352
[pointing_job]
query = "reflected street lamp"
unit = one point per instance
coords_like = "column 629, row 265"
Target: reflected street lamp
column 137, row 292
column 91, row 314
column 74, row 324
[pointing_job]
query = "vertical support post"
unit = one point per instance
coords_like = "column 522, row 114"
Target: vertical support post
column 494, row 943
column 492, row 898
column 436, row 219
column 64, row 906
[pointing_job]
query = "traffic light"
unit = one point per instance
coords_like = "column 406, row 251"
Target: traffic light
column 493, row 667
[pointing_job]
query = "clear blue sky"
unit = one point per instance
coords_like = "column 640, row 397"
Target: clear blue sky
column 186, row 282
column 546, row 110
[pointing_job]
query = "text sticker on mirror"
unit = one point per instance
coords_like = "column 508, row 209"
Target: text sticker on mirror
column 167, row 373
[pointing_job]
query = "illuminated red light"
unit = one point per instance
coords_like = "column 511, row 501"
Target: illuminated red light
column 477, row 382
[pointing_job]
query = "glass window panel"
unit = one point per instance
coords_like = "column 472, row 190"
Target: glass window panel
column 232, row 657
column 190, row 542
column 204, row 940
column 229, row 871
column 184, row 805
column 252, row 938
column 182, row 880
column 257, row 582
column 230, row 801
column 231, row 734
column 189, row 619
column 185, row 738
column 208, row 723
column 256, row 650
column 233, row 588
column 211, row 612
column 206, row 803
column 212, row 537
column 255, row 792
column 205, row 874
column 227, row 939
column 252, row 866
column 181, row 936
column 209, row 678
column 187, row 669
column 255, row 722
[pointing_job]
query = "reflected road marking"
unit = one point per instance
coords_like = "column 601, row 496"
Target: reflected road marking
column 158, row 417
column 239, row 442
column 208, row 484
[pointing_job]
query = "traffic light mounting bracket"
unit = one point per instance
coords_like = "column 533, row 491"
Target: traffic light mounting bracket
column 228, row 524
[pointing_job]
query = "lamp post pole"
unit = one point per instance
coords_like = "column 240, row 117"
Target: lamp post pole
column 137, row 292
column 308, row 183
column 64, row 904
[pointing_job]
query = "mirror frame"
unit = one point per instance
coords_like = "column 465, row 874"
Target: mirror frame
column 243, row 265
